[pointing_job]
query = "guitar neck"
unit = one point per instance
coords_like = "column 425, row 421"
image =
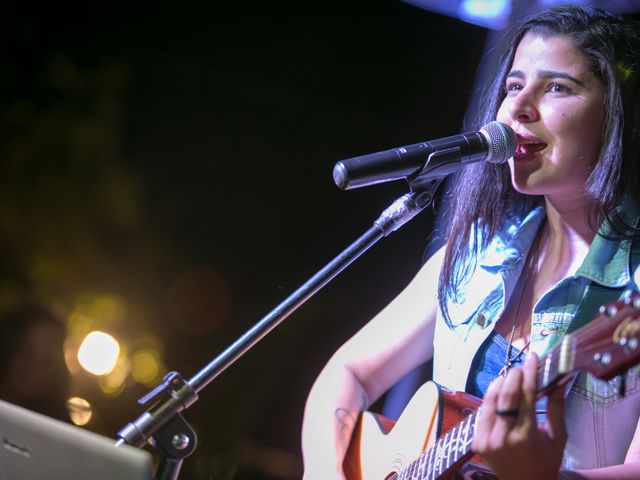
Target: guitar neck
column 454, row 447
column 451, row 449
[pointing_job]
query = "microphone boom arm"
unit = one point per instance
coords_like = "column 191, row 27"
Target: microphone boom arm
column 163, row 420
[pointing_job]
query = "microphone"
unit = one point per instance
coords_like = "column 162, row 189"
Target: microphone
column 494, row 143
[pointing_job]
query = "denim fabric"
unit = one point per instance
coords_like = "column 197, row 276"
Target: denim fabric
column 600, row 422
column 487, row 365
column 488, row 362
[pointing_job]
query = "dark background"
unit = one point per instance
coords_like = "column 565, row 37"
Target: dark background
column 178, row 159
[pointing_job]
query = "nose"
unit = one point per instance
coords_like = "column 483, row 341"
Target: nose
column 523, row 108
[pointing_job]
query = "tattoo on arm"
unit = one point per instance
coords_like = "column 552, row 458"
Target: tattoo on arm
column 344, row 418
column 347, row 419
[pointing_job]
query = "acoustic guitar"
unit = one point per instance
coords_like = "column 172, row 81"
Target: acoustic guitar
column 432, row 438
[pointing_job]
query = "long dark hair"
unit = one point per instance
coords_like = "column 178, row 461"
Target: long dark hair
column 483, row 195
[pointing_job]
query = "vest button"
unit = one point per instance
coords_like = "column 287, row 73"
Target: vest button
column 481, row 320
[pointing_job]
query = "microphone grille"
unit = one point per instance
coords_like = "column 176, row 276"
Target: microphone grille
column 502, row 141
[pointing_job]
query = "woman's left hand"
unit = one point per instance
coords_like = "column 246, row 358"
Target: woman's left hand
column 508, row 437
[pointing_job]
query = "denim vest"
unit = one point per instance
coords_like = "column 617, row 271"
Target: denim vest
column 600, row 422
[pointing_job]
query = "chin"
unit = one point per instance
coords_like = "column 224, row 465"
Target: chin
column 525, row 187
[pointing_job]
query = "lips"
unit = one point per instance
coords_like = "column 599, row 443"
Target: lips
column 528, row 146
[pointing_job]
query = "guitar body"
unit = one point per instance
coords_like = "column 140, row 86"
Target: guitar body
column 433, row 437
column 380, row 448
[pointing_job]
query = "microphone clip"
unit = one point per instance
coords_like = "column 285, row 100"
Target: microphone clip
column 439, row 164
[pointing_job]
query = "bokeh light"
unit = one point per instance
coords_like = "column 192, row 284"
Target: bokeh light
column 98, row 353
column 80, row 411
column 71, row 356
column 146, row 367
column 486, row 8
column 114, row 382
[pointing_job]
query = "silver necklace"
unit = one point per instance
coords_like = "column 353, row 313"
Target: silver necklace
column 532, row 264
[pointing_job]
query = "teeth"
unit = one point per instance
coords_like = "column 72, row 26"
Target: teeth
column 524, row 148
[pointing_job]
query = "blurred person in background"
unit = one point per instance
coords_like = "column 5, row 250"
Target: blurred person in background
column 33, row 373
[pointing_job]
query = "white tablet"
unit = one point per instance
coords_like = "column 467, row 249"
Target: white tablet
column 38, row 447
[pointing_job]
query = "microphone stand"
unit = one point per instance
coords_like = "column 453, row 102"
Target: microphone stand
column 163, row 421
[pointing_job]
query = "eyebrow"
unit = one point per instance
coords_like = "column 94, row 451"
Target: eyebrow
column 546, row 74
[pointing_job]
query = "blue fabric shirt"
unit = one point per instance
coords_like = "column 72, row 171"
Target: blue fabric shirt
column 600, row 426
column 488, row 363
column 485, row 293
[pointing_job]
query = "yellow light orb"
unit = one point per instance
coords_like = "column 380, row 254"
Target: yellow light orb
column 145, row 367
column 113, row 384
column 79, row 410
column 98, row 353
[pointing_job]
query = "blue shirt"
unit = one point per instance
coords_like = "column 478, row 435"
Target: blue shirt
column 600, row 423
column 488, row 362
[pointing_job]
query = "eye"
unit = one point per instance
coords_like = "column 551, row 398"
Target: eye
column 513, row 87
column 559, row 88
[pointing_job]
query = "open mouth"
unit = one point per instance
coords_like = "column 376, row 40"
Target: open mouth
column 525, row 149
